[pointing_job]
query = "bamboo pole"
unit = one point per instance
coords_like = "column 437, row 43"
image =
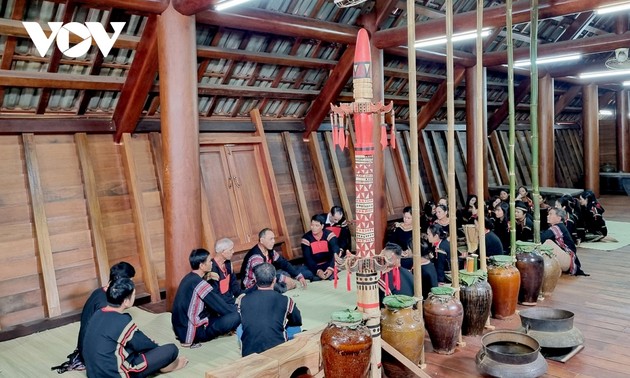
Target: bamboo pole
column 512, row 134
column 533, row 116
column 450, row 139
column 480, row 142
column 414, row 164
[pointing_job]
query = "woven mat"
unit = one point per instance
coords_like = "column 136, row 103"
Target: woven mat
column 618, row 236
column 33, row 355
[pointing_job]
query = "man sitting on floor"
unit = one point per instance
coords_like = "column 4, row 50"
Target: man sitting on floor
column 96, row 301
column 265, row 314
column 264, row 252
column 115, row 347
column 222, row 277
column 199, row 313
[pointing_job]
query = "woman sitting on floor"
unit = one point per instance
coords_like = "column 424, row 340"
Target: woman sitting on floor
column 592, row 214
column 442, row 256
column 401, row 234
column 337, row 223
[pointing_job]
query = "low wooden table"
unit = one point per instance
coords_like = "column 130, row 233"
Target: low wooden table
column 614, row 182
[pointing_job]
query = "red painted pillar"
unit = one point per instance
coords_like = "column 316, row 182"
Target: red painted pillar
column 177, row 56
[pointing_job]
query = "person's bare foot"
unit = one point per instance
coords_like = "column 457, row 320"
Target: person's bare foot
column 179, row 363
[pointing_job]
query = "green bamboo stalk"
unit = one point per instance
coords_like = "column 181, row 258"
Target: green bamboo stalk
column 512, row 133
column 533, row 116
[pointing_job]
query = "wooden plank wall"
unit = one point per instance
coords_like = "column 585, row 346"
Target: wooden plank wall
column 82, row 185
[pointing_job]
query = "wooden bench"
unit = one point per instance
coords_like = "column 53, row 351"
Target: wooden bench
column 546, row 192
column 614, row 182
column 281, row 361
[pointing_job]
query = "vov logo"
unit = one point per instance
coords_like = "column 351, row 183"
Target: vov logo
column 61, row 33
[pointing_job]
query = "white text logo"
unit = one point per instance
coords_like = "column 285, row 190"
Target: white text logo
column 61, row 33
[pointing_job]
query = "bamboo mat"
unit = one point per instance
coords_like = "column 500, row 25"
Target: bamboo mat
column 618, row 236
column 33, row 355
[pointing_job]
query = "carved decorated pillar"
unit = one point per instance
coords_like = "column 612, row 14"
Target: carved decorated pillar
column 177, row 57
column 623, row 143
column 590, row 125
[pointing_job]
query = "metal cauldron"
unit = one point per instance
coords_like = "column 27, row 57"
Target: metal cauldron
column 510, row 354
column 552, row 328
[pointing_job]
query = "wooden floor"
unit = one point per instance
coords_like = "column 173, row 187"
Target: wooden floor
column 601, row 304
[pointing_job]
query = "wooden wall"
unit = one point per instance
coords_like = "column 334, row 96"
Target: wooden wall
column 73, row 205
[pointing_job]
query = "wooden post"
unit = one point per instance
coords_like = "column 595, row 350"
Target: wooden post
column 40, row 221
column 94, row 208
column 480, row 141
column 143, row 239
column 590, row 123
column 623, row 144
column 546, row 148
column 177, row 56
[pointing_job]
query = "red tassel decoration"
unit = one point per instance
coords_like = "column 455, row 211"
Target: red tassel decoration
column 396, row 273
column 347, row 139
column 335, row 276
column 383, row 137
column 348, row 286
column 385, row 277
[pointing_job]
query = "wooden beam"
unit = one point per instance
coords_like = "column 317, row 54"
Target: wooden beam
column 143, row 237
column 501, row 113
column 277, row 23
column 404, row 360
column 257, row 92
column 437, row 100
column 135, row 6
column 40, row 221
column 297, row 181
column 55, row 58
column 16, row 29
column 337, row 80
column 321, row 178
column 32, row 79
column 600, row 43
column 94, row 208
column 493, row 17
column 9, row 46
column 437, row 55
column 270, row 177
column 565, row 99
column 399, row 160
column 156, row 151
column 341, row 186
column 54, row 125
column 190, row 7
column 213, row 52
column 139, row 81
column 423, row 194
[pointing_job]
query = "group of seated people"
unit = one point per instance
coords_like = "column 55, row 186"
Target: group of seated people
column 211, row 301
column 564, row 225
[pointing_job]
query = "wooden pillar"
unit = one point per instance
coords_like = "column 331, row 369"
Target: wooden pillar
column 546, row 140
column 590, row 125
column 476, row 102
column 623, row 142
column 380, row 201
column 177, row 59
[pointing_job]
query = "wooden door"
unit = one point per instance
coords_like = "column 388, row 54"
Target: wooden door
column 252, row 190
column 225, row 216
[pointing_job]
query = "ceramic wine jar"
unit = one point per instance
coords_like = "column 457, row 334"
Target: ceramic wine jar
column 346, row 345
column 443, row 316
column 505, row 281
column 531, row 266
